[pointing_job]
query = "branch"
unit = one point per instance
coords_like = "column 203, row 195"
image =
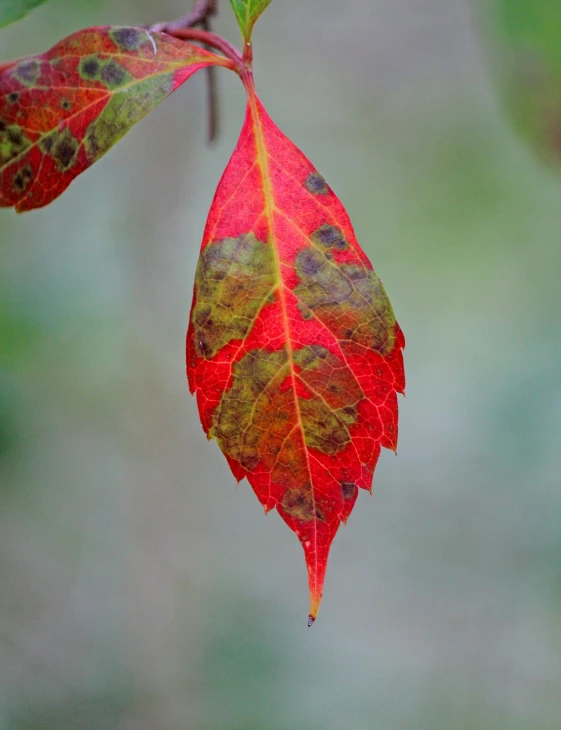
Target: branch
column 184, row 28
column 201, row 13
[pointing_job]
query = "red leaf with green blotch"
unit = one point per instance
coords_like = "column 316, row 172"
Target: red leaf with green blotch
column 293, row 349
column 61, row 111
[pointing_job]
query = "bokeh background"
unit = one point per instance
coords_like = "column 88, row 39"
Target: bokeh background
column 139, row 589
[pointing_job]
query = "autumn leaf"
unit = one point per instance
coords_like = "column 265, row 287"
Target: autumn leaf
column 247, row 12
column 61, row 111
column 293, row 349
column 11, row 10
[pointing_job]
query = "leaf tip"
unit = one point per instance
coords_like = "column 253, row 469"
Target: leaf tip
column 315, row 601
column 247, row 12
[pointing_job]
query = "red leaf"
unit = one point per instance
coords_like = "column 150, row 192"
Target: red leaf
column 293, row 349
column 61, row 111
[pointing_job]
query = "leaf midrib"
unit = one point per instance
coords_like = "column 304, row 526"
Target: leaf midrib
column 263, row 162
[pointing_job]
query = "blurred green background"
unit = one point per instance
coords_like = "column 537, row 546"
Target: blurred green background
column 140, row 590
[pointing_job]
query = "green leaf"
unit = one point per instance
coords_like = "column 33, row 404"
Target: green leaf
column 247, row 12
column 524, row 38
column 11, row 10
column 533, row 25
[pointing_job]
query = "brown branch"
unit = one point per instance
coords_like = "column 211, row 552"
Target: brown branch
column 184, row 28
column 201, row 13
column 213, row 108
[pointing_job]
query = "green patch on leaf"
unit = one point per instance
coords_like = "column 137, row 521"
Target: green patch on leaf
column 121, row 113
column 11, row 10
column 235, row 279
column 348, row 299
column 247, row 12
column 258, row 412
column 13, row 142
column 299, row 503
column 62, row 147
column 110, row 73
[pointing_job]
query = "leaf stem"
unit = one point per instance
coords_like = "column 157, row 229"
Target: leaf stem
column 210, row 39
column 184, row 28
column 248, row 53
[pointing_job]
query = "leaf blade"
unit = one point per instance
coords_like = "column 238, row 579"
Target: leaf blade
column 292, row 377
column 64, row 109
column 247, row 13
column 12, row 10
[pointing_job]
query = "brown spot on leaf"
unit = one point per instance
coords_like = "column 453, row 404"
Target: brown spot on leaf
column 299, row 503
column 330, row 237
column 129, row 39
column 114, row 75
column 46, row 144
column 316, row 184
column 89, row 68
column 349, row 490
column 309, row 262
column 28, row 72
column 19, row 183
column 62, row 147
column 14, row 135
column 22, row 178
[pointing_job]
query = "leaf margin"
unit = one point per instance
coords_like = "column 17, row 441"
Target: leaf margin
column 91, row 35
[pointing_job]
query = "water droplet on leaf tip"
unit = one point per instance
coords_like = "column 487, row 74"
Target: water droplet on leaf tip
column 311, row 620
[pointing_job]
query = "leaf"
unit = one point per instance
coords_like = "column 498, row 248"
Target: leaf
column 247, row 12
column 293, row 349
column 524, row 42
column 61, row 111
column 11, row 10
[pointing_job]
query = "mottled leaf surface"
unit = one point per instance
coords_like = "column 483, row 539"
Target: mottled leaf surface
column 293, row 349
column 61, row 111
column 11, row 10
column 247, row 12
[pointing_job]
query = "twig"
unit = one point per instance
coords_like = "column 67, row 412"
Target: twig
column 213, row 108
column 202, row 11
column 184, row 28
